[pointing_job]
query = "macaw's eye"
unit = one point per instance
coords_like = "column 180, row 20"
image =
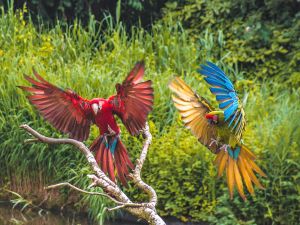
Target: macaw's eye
column 215, row 118
column 212, row 122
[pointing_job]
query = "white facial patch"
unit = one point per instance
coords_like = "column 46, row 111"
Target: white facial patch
column 95, row 108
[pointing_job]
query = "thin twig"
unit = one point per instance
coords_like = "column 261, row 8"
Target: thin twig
column 81, row 190
column 115, row 208
column 95, row 193
column 31, row 140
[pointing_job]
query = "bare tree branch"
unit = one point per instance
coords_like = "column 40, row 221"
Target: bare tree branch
column 144, row 211
column 136, row 176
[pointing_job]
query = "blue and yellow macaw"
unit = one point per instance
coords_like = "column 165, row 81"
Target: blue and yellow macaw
column 219, row 130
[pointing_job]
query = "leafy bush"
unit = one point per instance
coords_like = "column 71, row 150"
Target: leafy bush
column 181, row 170
column 258, row 35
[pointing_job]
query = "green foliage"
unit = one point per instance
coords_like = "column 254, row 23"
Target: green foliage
column 262, row 44
column 91, row 60
column 24, row 204
column 181, row 170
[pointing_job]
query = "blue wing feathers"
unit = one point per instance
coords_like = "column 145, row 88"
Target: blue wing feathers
column 230, row 110
column 233, row 95
column 214, row 82
column 218, row 91
column 224, row 91
column 208, row 72
column 212, row 65
column 214, row 69
column 232, row 118
column 217, row 72
column 222, row 74
column 225, row 104
column 222, row 97
column 211, row 73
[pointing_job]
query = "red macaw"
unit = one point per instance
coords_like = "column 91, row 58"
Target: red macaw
column 70, row 113
column 219, row 130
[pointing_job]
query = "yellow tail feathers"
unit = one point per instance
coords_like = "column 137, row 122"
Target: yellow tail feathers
column 240, row 170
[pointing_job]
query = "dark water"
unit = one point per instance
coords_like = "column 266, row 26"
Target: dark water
column 9, row 216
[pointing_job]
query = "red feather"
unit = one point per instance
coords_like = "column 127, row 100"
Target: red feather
column 63, row 109
column 73, row 115
column 134, row 100
column 120, row 171
column 136, row 74
column 111, row 169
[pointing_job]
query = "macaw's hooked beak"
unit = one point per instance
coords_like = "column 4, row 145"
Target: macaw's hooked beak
column 213, row 115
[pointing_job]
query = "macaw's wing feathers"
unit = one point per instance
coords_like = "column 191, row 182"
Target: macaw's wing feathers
column 193, row 109
column 227, row 97
column 64, row 109
column 134, row 99
column 136, row 74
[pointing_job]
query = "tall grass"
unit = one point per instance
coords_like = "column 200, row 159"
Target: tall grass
column 90, row 61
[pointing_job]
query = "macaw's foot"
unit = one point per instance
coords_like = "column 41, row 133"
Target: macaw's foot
column 233, row 153
column 225, row 147
column 213, row 141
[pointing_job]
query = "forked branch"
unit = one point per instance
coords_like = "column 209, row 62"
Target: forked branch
column 144, row 211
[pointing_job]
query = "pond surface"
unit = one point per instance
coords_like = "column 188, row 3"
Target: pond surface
column 9, row 216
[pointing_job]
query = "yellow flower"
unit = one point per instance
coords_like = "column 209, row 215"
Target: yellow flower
column 46, row 49
column 1, row 52
column 21, row 61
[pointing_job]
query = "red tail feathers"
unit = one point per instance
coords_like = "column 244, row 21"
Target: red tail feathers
column 112, row 158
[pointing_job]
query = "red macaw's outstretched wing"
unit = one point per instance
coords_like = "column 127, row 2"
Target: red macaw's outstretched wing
column 64, row 109
column 134, row 99
column 193, row 109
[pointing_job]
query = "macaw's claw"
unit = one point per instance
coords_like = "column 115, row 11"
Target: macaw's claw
column 225, row 147
column 213, row 141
